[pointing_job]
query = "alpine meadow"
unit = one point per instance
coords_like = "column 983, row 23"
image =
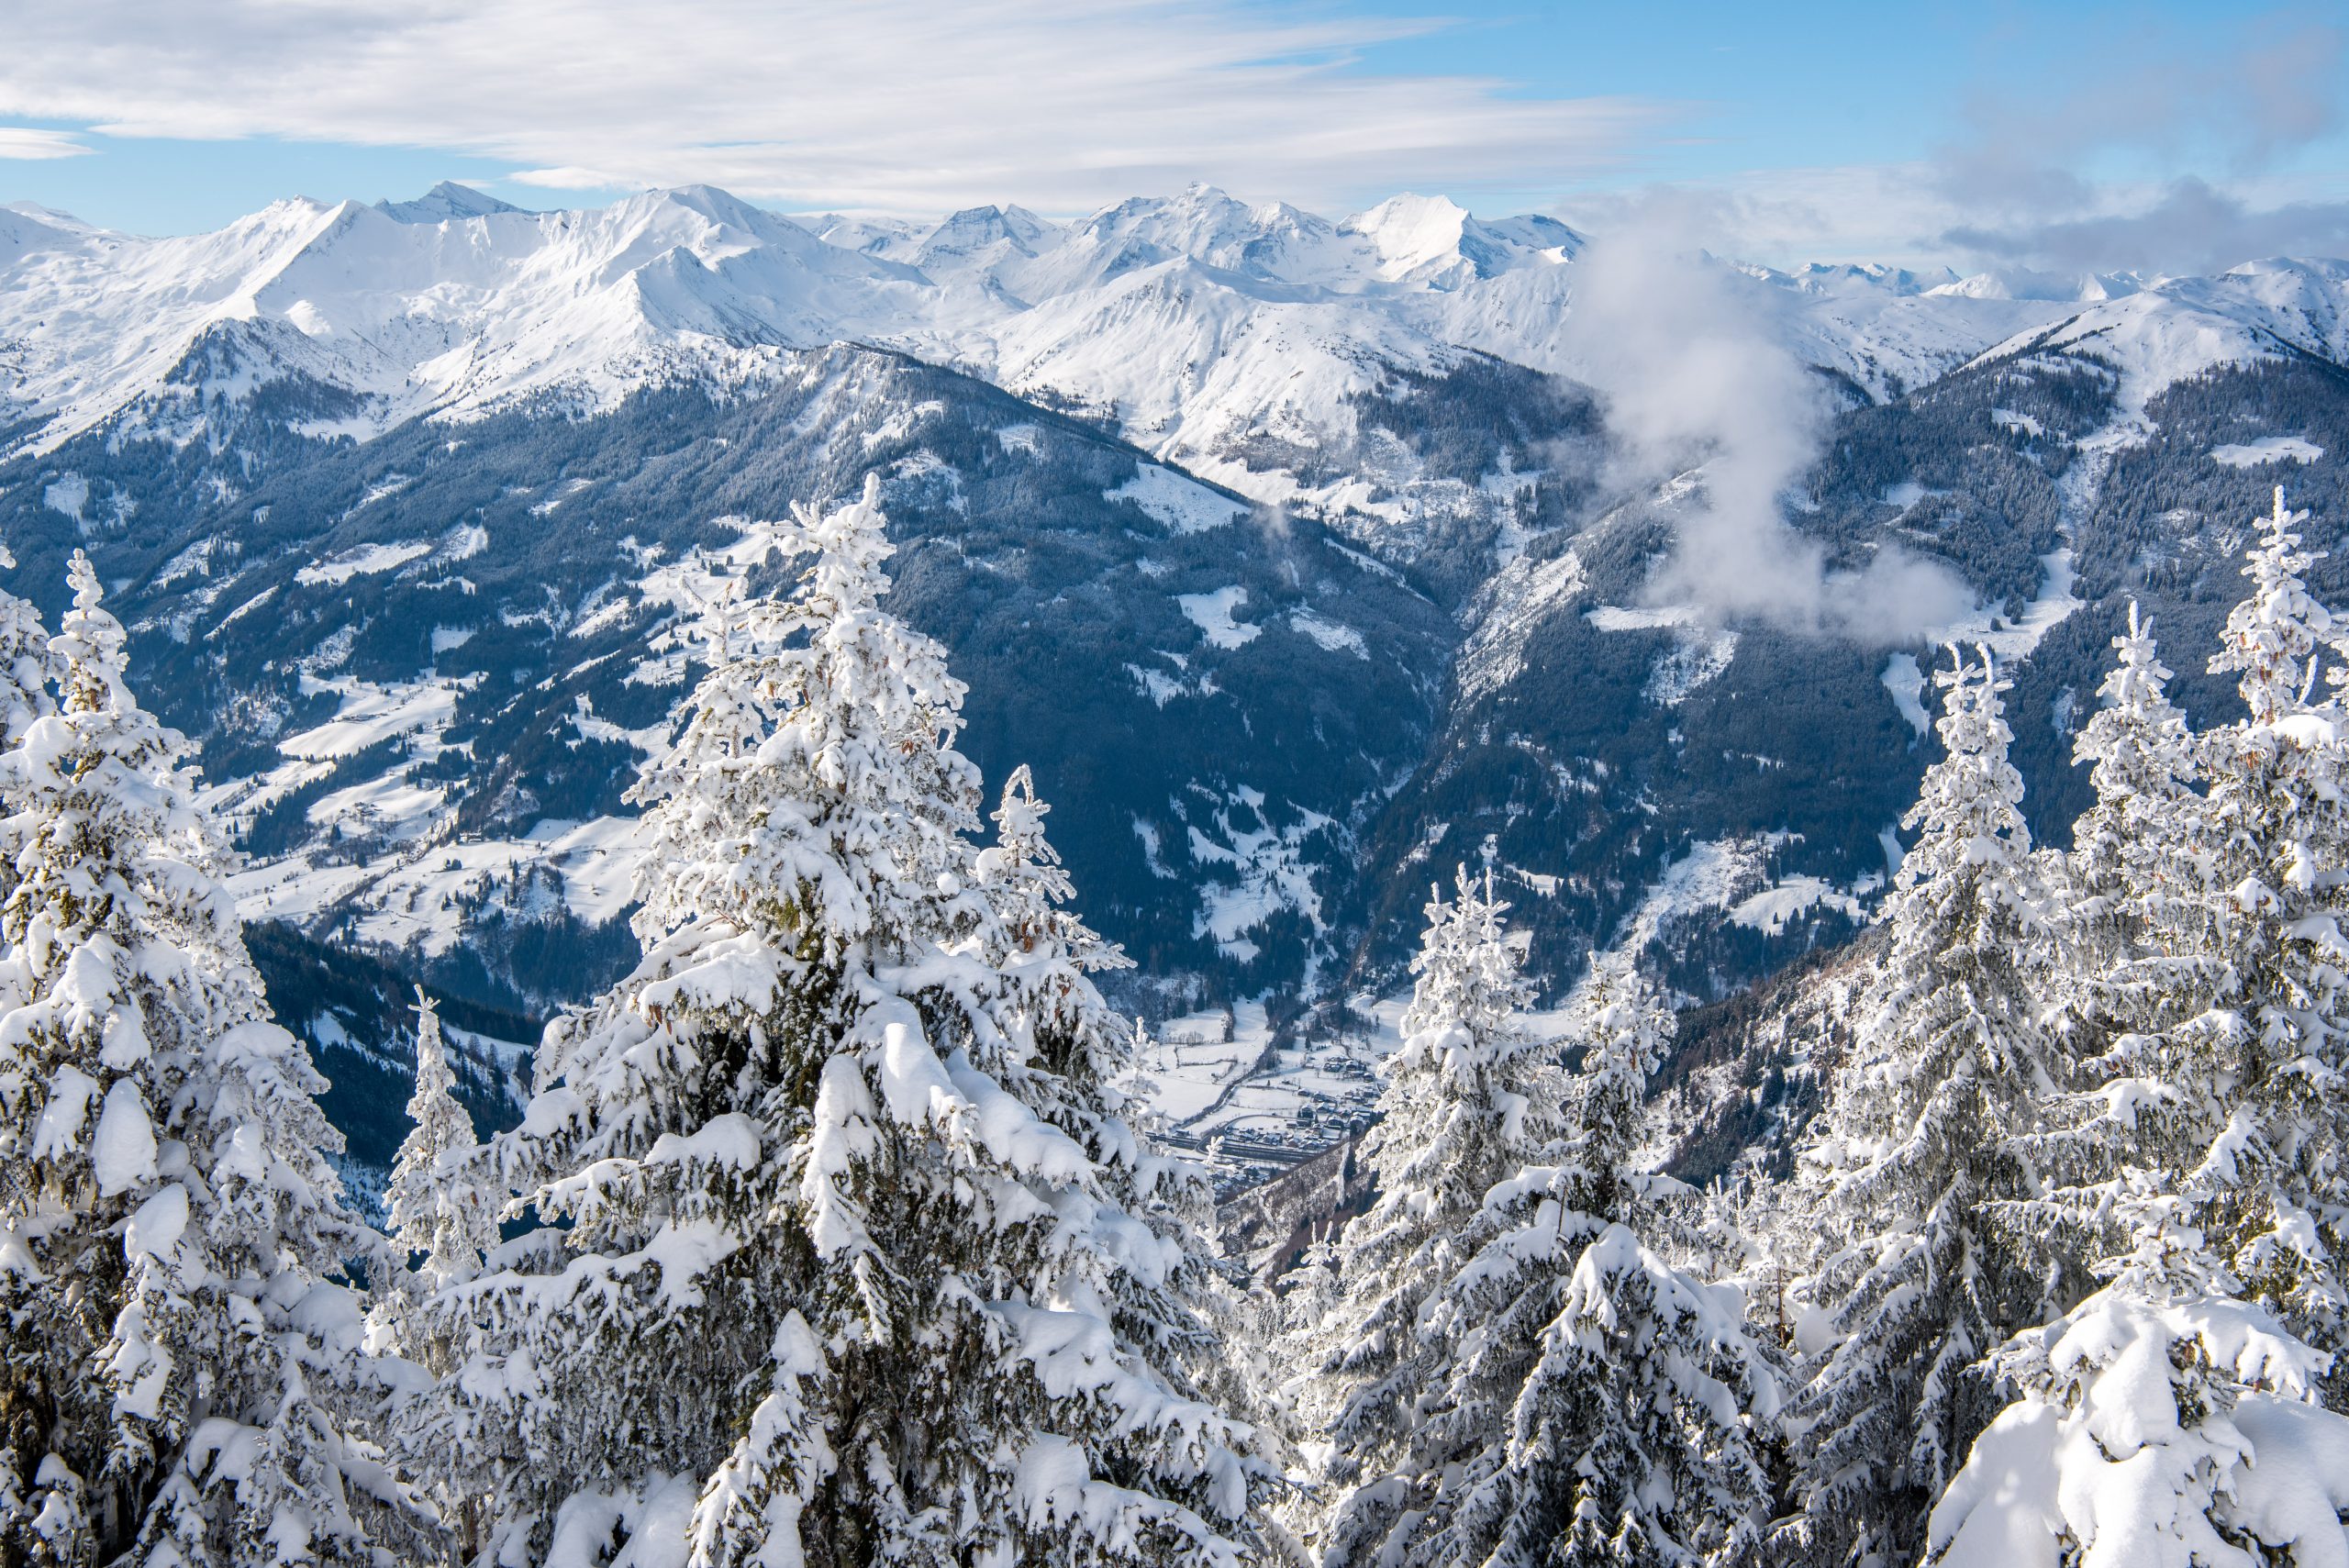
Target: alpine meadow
column 1646, row 866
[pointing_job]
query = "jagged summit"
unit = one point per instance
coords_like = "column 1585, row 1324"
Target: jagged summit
column 50, row 216
column 444, row 201
column 1206, row 320
column 1433, row 240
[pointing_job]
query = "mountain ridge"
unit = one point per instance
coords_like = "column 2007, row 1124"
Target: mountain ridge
column 1292, row 590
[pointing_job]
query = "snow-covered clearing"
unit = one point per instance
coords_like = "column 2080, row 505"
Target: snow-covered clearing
column 1334, row 636
column 1211, row 613
column 366, row 560
column 1179, row 502
column 1641, row 618
column 1769, row 910
column 2266, row 449
column 1905, row 679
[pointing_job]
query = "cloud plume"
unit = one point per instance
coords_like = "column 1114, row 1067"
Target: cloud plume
column 1697, row 374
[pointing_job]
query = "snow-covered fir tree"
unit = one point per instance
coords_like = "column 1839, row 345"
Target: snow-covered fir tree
column 1599, row 1406
column 186, row 1381
column 25, row 695
column 1470, row 1098
column 2262, row 1070
column 2137, row 955
column 2134, row 873
column 2163, row 1423
column 1044, row 952
column 1922, row 1275
column 438, row 1214
column 443, row 1225
column 25, row 678
column 832, row 1266
column 2215, row 1102
column 1048, row 1008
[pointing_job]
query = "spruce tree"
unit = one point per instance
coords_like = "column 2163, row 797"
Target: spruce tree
column 2137, row 958
column 2134, row 875
column 2262, row 1068
column 1470, row 1098
column 2212, row 981
column 1600, row 1406
column 1922, row 1273
column 186, row 1380
column 2163, row 1423
column 438, row 1214
column 25, row 697
column 834, row 1268
column 25, row 674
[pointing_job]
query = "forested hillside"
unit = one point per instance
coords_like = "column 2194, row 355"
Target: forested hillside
column 834, row 1232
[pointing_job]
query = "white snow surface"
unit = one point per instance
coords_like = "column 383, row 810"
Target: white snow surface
column 1905, row 679
column 1182, row 503
column 2110, row 1477
column 366, row 560
column 1769, row 910
column 1212, row 614
column 1202, row 325
column 2267, row 449
column 1333, row 636
column 2010, row 640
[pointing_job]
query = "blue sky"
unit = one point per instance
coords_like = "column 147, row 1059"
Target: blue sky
column 1832, row 131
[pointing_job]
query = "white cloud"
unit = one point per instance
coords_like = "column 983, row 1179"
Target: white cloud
column 1905, row 214
column 1862, row 212
column 2150, row 154
column 1695, row 372
column 889, row 104
column 26, row 144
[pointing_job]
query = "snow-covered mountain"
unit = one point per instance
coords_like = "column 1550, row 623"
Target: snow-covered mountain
column 456, row 303
column 1214, row 332
column 1292, row 552
column 2166, row 330
column 453, row 305
column 1225, row 335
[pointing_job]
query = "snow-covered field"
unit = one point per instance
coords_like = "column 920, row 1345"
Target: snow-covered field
column 2266, row 449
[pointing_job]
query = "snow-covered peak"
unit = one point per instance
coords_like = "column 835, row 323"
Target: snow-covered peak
column 48, row 217
column 1411, row 232
column 422, row 313
column 1554, row 241
column 26, row 227
column 1273, row 242
column 2175, row 327
column 893, row 238
column 983, row 236
column 1433, row 241
column 443, row 202
column 2016, row 282
column 1825, row 277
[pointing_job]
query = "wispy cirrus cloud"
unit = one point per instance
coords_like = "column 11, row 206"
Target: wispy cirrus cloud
column 31, row 144
column 888, row 105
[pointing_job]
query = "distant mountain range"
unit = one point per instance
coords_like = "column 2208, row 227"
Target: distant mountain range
column 1299, row 556
column 1169, row 312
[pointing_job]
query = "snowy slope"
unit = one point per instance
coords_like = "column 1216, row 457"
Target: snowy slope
column 414, row 312
column 2176, row 328
column 1201, row 320
column 1232, row 338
